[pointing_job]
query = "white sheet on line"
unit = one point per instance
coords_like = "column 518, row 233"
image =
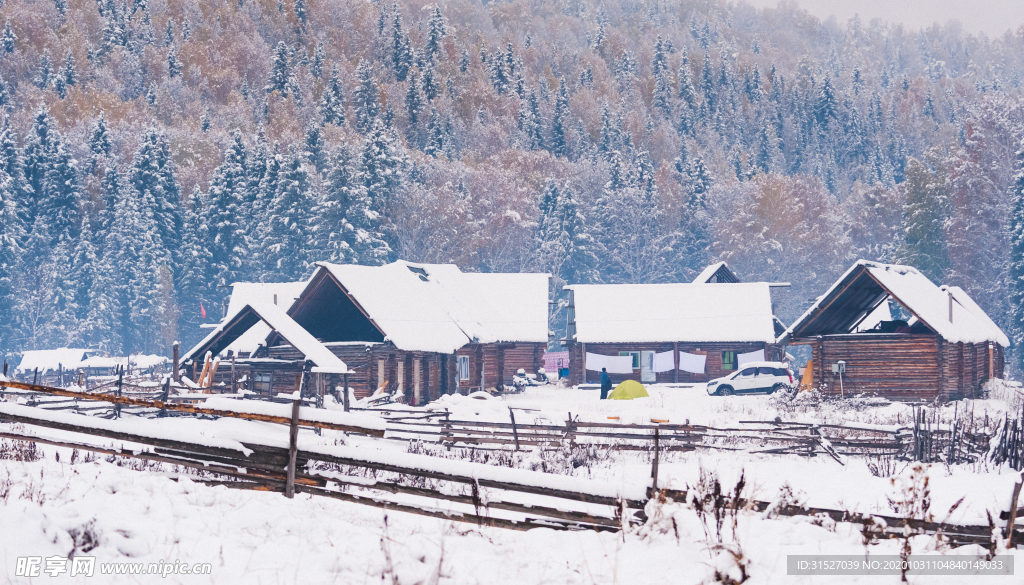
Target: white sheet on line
column 692, row 362
column 615, row 364
column 664, row 362
column 754, row 356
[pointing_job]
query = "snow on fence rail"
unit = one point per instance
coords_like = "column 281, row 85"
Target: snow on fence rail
column 258, row 463
column 252, row 461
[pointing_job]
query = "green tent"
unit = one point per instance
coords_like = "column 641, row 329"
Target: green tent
column 628, row 390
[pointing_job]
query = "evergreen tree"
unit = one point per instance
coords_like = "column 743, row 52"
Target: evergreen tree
column 925, row 214
column 193, row 280
column 285, row 241
column 366, row 98
column 169, row 33
column 314, row 148
column 12, row 233
column 9, row 39
column 530, row 121
column 316, row 69
column 227, row 236
column 152, row 171
column 1016, row 268
column 436, row 135
column 21, row 195
column 280, row 71
column 413, row 104
column 173, row 64
column 436, row 33
column 44, row 72
column 300, row 12
column 61, row 195
column 401, row 52
column 332, row 233
column 558, row 144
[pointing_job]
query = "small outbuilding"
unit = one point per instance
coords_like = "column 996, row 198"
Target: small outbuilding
column 888, row 330
column 665, row 333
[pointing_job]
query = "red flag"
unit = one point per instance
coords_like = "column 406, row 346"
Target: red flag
column 202, row 309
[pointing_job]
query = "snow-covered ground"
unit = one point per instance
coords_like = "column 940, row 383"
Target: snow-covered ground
column 258, row 537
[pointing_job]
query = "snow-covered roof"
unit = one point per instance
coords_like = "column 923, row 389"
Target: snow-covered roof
column 929, row 304
column 439, row 308
column 708, row 273
column 51, row 359
column 636, row 313
column 283, row 294
column 138, row 361
column 278, row 321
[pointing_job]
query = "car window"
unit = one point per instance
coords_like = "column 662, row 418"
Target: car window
column 768, row 372
column 748, row 372
column 781, row 372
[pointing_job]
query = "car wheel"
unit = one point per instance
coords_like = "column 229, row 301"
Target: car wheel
column 776, row 388
column 726, row 391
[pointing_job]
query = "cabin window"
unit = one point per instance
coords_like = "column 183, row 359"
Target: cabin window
column 635, row 355
column 463, row 367
column 261, row 383
column 728, row 360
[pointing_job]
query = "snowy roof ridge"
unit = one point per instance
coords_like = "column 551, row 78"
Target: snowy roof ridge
column 712, row 312
column 439, row 308
column 51, row 359
column 929, row 302
column 705, row 276
column 279, row 321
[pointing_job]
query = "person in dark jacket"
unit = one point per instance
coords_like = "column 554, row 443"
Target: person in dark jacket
column 606, row 383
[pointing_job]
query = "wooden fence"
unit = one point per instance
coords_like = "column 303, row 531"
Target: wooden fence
column 321, row 472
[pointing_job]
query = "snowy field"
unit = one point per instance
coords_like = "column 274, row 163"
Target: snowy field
column 52, row 506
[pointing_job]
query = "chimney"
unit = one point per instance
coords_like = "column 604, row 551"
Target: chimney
column 950, row 305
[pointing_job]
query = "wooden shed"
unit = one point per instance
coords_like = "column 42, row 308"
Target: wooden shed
column 421, row 329
column 887, row 330
column 685, row 333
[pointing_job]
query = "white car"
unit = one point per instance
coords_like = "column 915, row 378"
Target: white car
column 753, row 377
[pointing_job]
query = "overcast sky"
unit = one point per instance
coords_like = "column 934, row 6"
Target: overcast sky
column 993, row 17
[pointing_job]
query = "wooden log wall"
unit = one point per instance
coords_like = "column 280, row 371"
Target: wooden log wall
column 905, row 367
column 712, row 368
column 528, row 356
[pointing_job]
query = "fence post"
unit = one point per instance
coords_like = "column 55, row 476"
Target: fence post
column 1013, row 512
column 293, row 438
column 654, row 465
column 344, row 391
column 515, row 432
column 35, row 377
column 164, row 396
column 120, row 378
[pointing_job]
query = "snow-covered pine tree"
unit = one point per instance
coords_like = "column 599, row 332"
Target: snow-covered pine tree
column 279, row 70
column 435, row 34
column 559, row 145
column 366, row 97
column 226, row 216
column 12, row 233
column 34, row 288
column 284, row 243
column 174, row 65
column 925, row 215
column 9, row 41
column 401, row 51
column 152, row 170
column 1016, row 268
column 332, row 232
column 332, row 101
column 316, row 68
column 61, row 194
column 193, row 278
column 13, row 165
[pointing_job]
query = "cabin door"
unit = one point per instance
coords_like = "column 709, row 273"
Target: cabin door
column 647, row 373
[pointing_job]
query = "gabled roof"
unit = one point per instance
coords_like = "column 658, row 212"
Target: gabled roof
column 717, row 272
column 51, row 359
column 252, row 313
column 282, row 294
column 636, row 313
column 868, row 284
column 439, row 308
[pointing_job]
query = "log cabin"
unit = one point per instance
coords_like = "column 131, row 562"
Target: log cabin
column 899, row 336
column 669, row 333
column 420, row 330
